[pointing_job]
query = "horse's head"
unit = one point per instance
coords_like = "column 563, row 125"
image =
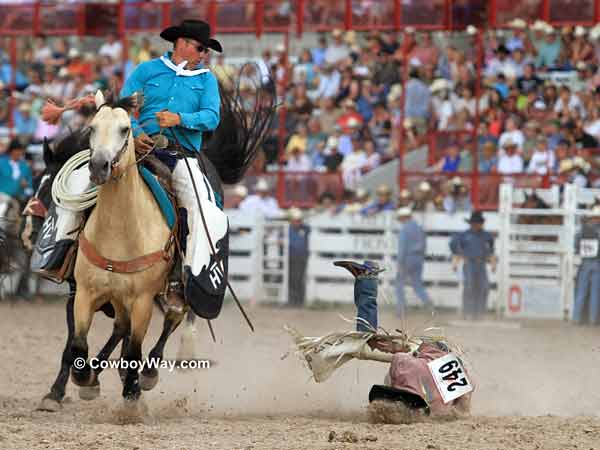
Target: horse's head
column 110, row 133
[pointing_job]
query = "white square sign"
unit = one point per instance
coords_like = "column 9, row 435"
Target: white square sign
column 588, row 248
column 450, row 377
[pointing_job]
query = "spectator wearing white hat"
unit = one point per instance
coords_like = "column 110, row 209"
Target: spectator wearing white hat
column 352, row 166
column 542, row 160
column 581, row 50
column 423, row 198
column 441, row 103
column 512, row 133
column 298, row 257
column 337, row 50
column 412, row 243
column 237, row 196
column 548, row 50
column 457, row 197
column 509, row 161
column 261, row 202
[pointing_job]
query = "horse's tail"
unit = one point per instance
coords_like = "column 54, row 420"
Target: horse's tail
column 244, row 125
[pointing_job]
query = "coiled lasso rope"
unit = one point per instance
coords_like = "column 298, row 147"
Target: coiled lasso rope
column 60, row 188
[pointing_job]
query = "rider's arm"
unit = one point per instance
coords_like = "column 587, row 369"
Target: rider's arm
column 207, row 118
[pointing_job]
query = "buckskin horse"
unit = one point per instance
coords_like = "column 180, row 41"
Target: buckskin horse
column 34, row 213
column 230, row 151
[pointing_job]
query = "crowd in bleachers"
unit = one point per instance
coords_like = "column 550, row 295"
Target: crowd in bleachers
column 537, row 112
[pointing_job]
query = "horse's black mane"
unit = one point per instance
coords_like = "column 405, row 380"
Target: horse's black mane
column 112, row 100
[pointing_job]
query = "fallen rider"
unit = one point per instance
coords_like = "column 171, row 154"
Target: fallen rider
column 425, row 376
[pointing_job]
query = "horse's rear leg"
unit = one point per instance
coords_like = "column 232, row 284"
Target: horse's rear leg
column 141, row 314
column 187, row 343
column 51, row 401
column 81, row 372
column 149, row 376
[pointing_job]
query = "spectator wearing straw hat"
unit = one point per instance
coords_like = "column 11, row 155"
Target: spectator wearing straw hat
column 586, row 308
column 382, row 203
column 475, row 248
column 410, row 258
column 457, row 199
column 298, row 257
column 261, row 202
column 423, row 198
column 510, row 162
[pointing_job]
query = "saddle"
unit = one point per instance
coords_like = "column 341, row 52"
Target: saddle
column 158, row 179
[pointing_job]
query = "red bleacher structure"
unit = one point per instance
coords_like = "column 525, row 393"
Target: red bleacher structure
column 295, row 17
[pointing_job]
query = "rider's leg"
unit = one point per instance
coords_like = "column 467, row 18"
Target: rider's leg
column 365, row 292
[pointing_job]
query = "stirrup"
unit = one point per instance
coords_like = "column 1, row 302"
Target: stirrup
column 369, row 269
column 172, row 300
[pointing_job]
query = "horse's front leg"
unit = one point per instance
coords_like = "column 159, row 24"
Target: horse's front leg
column 141, row 313
column 149, row 375
column 84, row 310
column 120, row 330
column 51, row 401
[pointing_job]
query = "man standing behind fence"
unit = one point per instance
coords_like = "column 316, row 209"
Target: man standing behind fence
column 411, row 257
column 298, row 238
column 587, row 285
column 475, row 247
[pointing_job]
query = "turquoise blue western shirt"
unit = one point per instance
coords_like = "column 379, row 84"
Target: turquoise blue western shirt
column 195, row 98
column 10, row 181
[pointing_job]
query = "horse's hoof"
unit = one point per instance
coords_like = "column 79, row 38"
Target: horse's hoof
column 84, row 377
column 49, row 404
column 149, row 380
column 122, row 375
column 89, row 392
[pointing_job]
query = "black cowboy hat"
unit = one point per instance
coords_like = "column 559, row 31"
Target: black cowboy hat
column 193, row 29
column 476, row 217
column 15, row 144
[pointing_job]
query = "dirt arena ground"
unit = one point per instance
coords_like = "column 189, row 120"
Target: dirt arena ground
column 537, row 388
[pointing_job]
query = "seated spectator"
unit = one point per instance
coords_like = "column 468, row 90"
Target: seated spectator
column 450, row 163
column 316, row 138
column 382, row 203
column 501, row 63
column 404, row 199
column 488, row 162
column 529, row 81
column 16, row 179
column 25, row 123
column 329, row 82
column 580, row 137
column 373, row 158
column 417, row 97
column 361, row 201
column 237, row 196
column 380, row 126
column 328, row 115
column 531, row 133
column 333, row 158
column 512, row 133
column 572, row 174
column 568, row 103
column 424, row 198
column 457, row 199
column 441, row 104
column 509, row 161
column 549, row 49
column 350, row 118
column 336, row 50
column 542, row 160
column 352, row 166
column 261, row 202
column 299, row 139
column 297, row 161
column 326, row 204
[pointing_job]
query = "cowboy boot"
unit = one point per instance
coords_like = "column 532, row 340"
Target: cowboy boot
column 173, row 299
column 369, row 269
